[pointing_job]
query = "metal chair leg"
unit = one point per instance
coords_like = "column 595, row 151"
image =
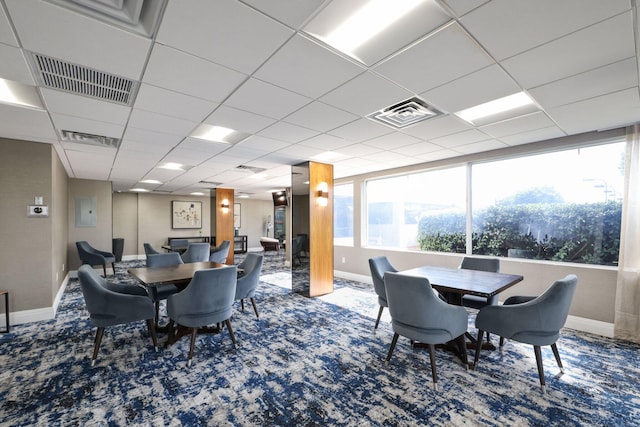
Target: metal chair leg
column 554, row 347
column 536, row 349
column 96, row 345
column 194, row 332
column 233, row 337
column 393, row 345
column 255, row 307
column 432, row 357
column 476, row 357
column 379, row 315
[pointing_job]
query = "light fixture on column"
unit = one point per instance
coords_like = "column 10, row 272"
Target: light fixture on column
column 323, row 194
column 225, row 206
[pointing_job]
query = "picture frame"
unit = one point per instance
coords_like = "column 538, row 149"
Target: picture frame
column 237, row 216
column 186, row 215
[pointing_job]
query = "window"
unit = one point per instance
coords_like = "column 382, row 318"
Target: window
column 403, row 211
column 343, row 215
column 561, row 206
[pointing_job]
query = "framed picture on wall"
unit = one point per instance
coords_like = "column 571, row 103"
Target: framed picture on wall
column 186, row 214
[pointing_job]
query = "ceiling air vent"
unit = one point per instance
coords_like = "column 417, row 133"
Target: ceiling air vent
column 210, row 183
column 90, row 139
column 405, row 113
column 253, row 169
column 66, row 76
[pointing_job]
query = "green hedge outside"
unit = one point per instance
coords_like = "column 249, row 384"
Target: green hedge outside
column 583, row 233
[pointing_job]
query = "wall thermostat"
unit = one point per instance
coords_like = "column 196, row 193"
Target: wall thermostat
column 37, row 210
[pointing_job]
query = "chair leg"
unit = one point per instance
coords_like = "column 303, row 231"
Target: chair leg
column 554, row 347
column 255, row 307
column 536, row 348
column 501, row 341
column 171, row 331
column 478, row 348
column 152, row 331
column 194, row 332
column 432, row 357
column 233, row 337
column 393, row 345
column 104, row 268
column 379, row 315
column 157, row 313
column 462, row 345
column 96, row 345
column 113, row 265
column 242, row 304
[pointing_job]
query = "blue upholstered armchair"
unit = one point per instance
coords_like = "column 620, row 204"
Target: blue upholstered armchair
column 536, row 321
column 92, row 256
column 379, row 265
column 196, row 252
column 161, row 291
column 248, row 282
column 112, row 304
column 206, row 300
column 220, row 252
column 149, row 250
column 420, row 315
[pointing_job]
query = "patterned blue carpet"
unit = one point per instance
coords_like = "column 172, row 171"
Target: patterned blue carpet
column 305, row 362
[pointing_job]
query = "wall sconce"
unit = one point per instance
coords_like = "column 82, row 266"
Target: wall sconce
column 323, row 194
column 225, row 206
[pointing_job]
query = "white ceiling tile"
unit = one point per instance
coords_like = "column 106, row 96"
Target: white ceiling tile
column 136, row 160
column 194, row 76
column 305, row 67
column 291, row 12
column 320, row 117
column 473, row 89
column 262, row 145
column 287, row 132
column 85, row 107
column 451, row 49
column 301, row 152
column 326, row 142
column 25, row 123
column 174, row 104
column 610, row 78
column 209, row 147
column 478, row 147
column 392, row 140
column 460, row 138
column 366, row 94
column 573, row 54
column 266, row 99
column 6, row 32
column 64, row 34
column 416, row 149
column 525, row 123
column 533, row 136
column 186, row 157
column 92, row 165
column 357, row 150
column 603, row 112
column 79, row 124
column 438, row 155
column 147, row 140
column 361, row 130
column 462, row 7
column 437, row 127
column 160, row 123
column 218, row 31
column 239, row 120
column 507, row 27
column 13, row 65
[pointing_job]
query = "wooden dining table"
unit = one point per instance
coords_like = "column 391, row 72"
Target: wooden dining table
column 454, row 283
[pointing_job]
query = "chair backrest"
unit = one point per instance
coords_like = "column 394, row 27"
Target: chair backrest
column 380, row 265
column 482, row 264
column 220, row 252
column 92, row 287
column 247, row 284
column 207, row 299
column 149, row 250
column 196, row 252
column 554, row 303
column 164, row 260
column 413, row 303
column 178, row 243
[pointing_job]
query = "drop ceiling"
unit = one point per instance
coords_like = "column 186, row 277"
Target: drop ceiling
column 258, row 68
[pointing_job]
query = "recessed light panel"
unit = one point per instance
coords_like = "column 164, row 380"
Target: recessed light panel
column 370, row 30
column 500, row 109
column 218, row 134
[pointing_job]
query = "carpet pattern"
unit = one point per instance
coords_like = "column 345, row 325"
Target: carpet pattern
column 304, row 362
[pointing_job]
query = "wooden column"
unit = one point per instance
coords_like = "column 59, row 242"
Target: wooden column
column 320, row 229
column 224, row 220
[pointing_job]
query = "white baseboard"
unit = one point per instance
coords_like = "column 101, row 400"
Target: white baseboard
column 573, row 322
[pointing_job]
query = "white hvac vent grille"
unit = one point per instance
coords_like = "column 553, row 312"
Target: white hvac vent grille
column 66, row 76
column 210, row 183
column 405, row 113
column 90, row 139
column 253, row 169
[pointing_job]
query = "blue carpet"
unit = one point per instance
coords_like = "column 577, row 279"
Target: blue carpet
column 305, row 362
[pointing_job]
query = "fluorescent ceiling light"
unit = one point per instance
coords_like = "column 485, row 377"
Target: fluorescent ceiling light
column 16, row 93
column 496, row 107
column 218, row 134
column 368, row 21
column 197, row 193
column 150, row 181
column 140, row 190
column 172, row 166
column 243, row 196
